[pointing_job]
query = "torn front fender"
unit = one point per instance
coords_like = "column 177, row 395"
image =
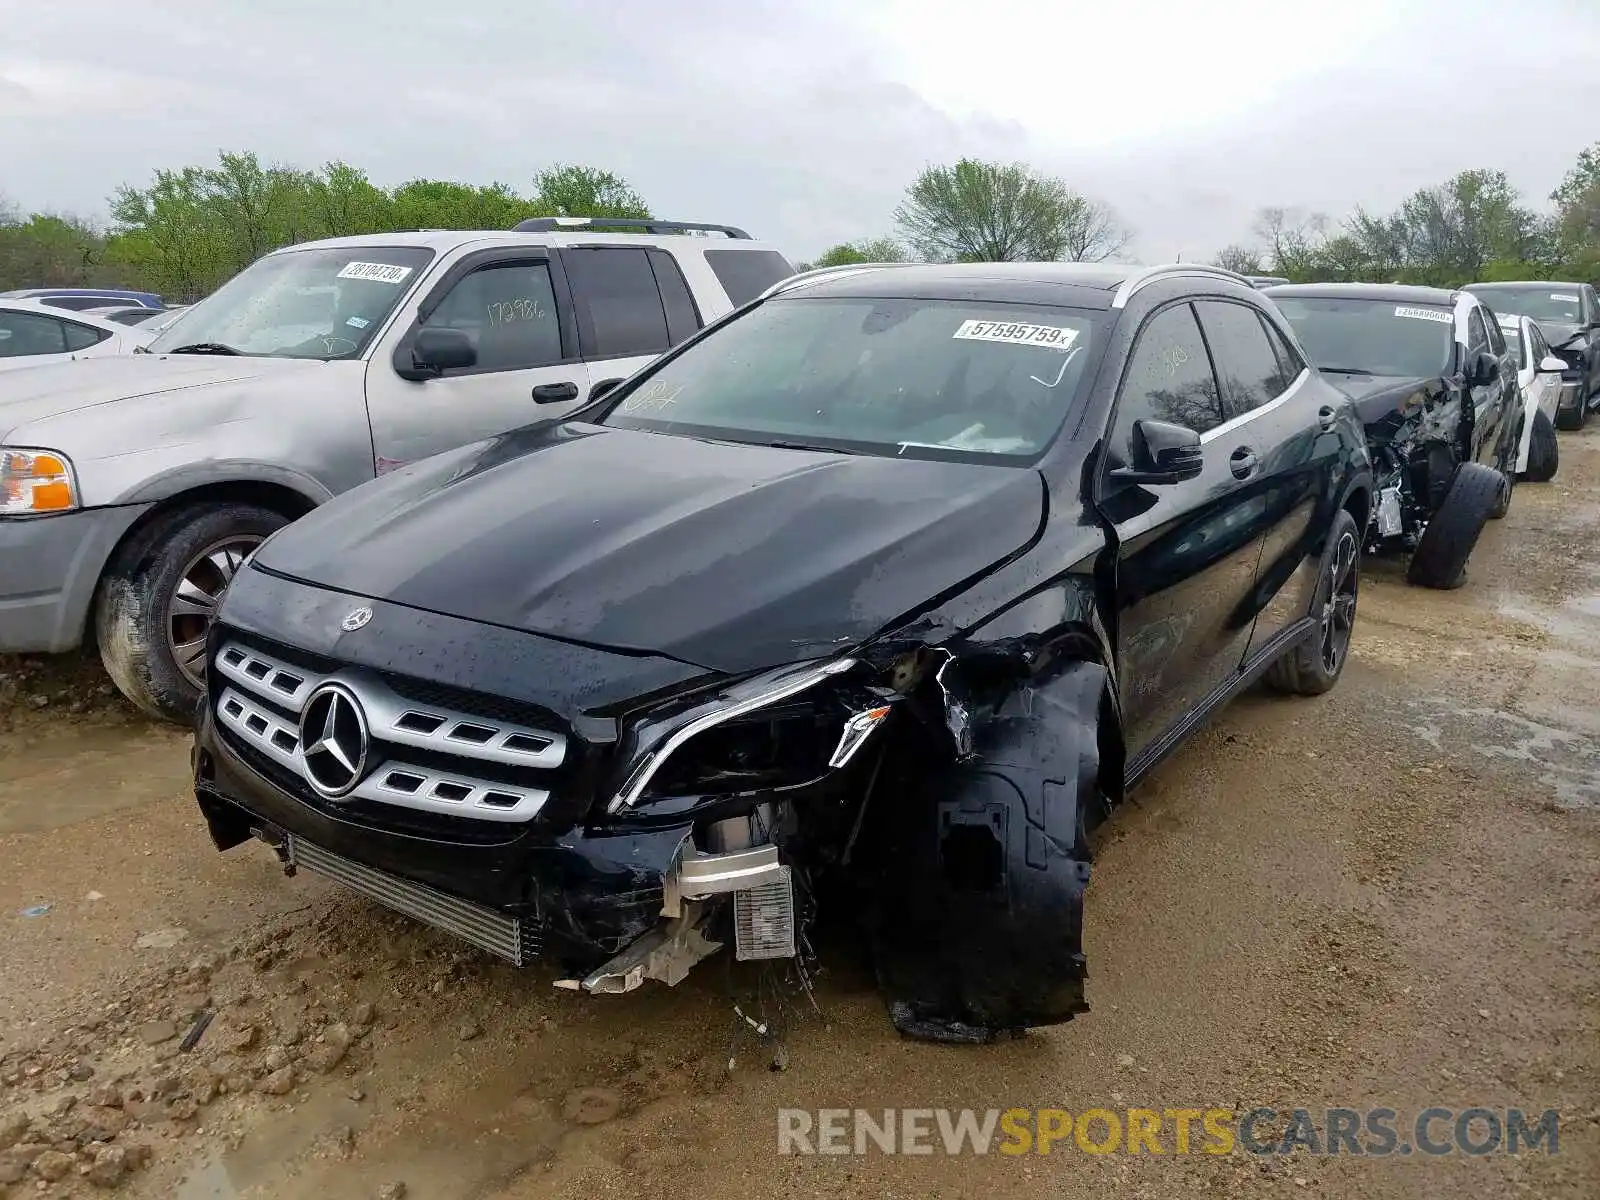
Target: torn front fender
column 977, row 922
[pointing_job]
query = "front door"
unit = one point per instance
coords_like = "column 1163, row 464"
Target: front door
column 1186, row 552
column 514, row 307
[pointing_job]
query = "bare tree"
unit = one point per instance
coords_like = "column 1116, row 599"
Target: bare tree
column 1003, row 212
column 1093, row 232
column 1243, row 259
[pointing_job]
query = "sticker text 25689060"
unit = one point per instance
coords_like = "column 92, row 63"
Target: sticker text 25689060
column 1017, row 333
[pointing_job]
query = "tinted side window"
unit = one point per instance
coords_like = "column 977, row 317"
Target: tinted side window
column 1247, row 367
column 29, row 333
column 1497, row 338
column 1290, row 363
column 683, row 318
column 510, row 309
column 1594, row 302
column 1477, row 334
column 1168, row 379
column 745, row 274
column 81, row 337
column 618, row 303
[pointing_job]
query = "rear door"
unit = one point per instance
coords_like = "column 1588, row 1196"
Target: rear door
column 514, row 305
column 1491, row 402
column 1186, row 552
column 630, row 304
column 1274, row 409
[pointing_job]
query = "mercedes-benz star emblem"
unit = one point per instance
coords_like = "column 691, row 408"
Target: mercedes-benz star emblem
column 355, row 619
column 333, row 740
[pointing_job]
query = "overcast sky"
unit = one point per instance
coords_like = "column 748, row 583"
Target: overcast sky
column 804, row 122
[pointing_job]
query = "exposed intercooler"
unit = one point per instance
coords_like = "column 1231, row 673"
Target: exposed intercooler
column 512, row 939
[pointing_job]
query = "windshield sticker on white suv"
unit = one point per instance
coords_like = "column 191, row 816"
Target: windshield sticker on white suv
column 376, row 272
column 1425, row 314
column 1051, row 337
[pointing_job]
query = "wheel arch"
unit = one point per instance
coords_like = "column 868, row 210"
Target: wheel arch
column 293, row 500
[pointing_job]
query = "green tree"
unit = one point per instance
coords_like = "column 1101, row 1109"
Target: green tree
column 565, row 190
column 1003, row 212
column 342, row 201
column 47, row 250
column 1576, row 225
column 866, row 250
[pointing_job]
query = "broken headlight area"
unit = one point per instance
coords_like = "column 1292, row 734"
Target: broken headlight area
column 785, row 729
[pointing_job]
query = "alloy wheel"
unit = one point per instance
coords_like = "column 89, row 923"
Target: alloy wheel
column 194, row 604
column 1339, row 609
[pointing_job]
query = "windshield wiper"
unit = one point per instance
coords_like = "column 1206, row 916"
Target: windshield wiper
column 204, row 348
column 1346, row 371
column 807, row 446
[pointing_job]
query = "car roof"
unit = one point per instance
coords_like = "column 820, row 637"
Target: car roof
column 1397, row 293
column 441, row 240
column 1519, row 285
column 1073, row 285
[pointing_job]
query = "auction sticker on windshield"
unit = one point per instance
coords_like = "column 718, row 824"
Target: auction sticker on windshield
column 376, row 272
column 1425, row 314
column 1015, row 332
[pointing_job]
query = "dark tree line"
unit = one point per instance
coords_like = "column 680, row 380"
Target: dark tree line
column 1470, row 228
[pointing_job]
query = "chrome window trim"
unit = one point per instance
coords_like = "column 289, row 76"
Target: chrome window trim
column 1245, row 418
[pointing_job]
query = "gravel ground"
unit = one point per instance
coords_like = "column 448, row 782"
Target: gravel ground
column 1388, row 896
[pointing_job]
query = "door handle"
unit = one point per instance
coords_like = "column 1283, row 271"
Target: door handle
column 554, row 393
column 1242, row 462
column 1326, row 417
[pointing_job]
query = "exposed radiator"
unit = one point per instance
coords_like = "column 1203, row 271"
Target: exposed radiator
column 763, row 920
column 512, row 939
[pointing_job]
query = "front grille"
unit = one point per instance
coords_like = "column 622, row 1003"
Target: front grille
column 430, row 750
column 512, row 938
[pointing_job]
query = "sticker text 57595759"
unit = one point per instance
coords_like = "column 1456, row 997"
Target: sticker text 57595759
column 1017, row 333
column 375, row 272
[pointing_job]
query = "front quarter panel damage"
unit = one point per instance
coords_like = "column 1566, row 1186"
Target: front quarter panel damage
column 976, row 915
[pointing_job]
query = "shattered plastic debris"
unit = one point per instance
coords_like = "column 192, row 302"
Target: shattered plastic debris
column 35, row 910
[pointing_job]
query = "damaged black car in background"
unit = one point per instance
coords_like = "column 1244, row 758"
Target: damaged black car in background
column 1432, row 378
column 879, row 593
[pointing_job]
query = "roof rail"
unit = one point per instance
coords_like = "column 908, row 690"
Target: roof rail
column 642, row 225
column 804, row 277
column 1138, row 279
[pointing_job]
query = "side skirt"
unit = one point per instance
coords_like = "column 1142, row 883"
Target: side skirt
column 1169, row 741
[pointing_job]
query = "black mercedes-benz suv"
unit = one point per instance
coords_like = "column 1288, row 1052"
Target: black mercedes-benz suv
column 877, row 594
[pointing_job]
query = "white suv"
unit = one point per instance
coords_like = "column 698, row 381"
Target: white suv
column 131, row 488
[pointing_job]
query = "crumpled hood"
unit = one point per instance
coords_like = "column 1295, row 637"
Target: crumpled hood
column 730, row 557
column 1382, row 397
column 1558, row 334
column 36, row 393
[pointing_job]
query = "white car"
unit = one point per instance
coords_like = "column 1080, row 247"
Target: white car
column 32, row 333
column 1539, row 386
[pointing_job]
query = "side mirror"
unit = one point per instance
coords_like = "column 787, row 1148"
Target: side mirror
column 1552, row 365
column 1162, row 453
column 604, row 387
column 434, row 351
column 1484, row 369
